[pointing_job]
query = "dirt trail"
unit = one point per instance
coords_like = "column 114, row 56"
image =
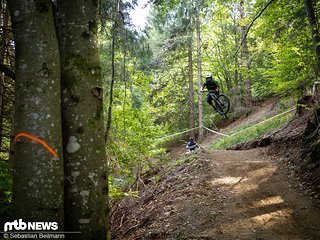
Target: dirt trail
column 259, row 201
column 222, row 195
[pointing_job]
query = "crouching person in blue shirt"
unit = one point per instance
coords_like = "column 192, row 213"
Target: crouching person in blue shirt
column 191, row 145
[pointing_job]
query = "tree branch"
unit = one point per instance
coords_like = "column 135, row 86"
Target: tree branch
column 251, row 24
column 7, row 71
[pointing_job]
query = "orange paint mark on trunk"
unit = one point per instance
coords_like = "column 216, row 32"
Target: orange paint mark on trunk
column 43, row 143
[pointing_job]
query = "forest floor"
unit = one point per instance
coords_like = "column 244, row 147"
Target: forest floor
column 223, row 194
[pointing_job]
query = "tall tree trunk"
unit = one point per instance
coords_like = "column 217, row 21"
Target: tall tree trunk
column 245, row 61
column 86, row 186
column 109, row 114
column 2, row 102
column 113, row 70
column 235, row 92
column 314, row 30
column 38, row 161
column 190, row 76
column 200, row 104
column 1, row 74
column 4, row 23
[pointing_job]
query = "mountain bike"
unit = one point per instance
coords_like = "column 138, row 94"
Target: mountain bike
column 220, row 103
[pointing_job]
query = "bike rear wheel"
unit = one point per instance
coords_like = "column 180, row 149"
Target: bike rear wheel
column 222, row 104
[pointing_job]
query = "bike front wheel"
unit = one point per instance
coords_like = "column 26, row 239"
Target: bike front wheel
column 222, row 104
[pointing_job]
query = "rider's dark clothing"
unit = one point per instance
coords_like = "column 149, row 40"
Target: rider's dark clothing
column 212, row 87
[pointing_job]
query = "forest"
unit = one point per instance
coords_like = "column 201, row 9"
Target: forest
column 96, row 112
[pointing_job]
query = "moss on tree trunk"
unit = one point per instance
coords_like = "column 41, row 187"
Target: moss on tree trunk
column 86, row 192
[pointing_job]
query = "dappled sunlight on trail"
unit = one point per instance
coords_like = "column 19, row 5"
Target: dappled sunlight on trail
column 268, row 201
column 259, row 198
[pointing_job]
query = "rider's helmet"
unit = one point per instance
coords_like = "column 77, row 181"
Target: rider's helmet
column 208, row 76
column 191, row 139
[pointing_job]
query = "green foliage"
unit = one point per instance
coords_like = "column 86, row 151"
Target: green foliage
column 285, row 59
column 117, row 189
column 252, row 133
column 131, row 146
column 5, row 188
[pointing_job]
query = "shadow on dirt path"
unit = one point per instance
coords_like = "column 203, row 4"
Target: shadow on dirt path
column 260, row 202
column 221, row 195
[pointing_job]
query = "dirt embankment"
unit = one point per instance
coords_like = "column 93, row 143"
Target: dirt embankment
column 297, row 145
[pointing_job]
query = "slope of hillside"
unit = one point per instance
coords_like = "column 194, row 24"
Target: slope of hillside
column 230, row 194
column 297, row 145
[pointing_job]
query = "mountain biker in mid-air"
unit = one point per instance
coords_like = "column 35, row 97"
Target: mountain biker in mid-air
column 212, row 86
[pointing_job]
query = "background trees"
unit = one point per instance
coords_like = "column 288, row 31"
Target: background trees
column 248, row 64
column 7, row 77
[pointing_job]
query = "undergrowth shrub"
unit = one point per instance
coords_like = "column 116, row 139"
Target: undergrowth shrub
column 250, row 132
column 5, row 188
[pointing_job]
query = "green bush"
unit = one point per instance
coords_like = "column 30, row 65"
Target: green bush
column 5, row 188
column 251, row 133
